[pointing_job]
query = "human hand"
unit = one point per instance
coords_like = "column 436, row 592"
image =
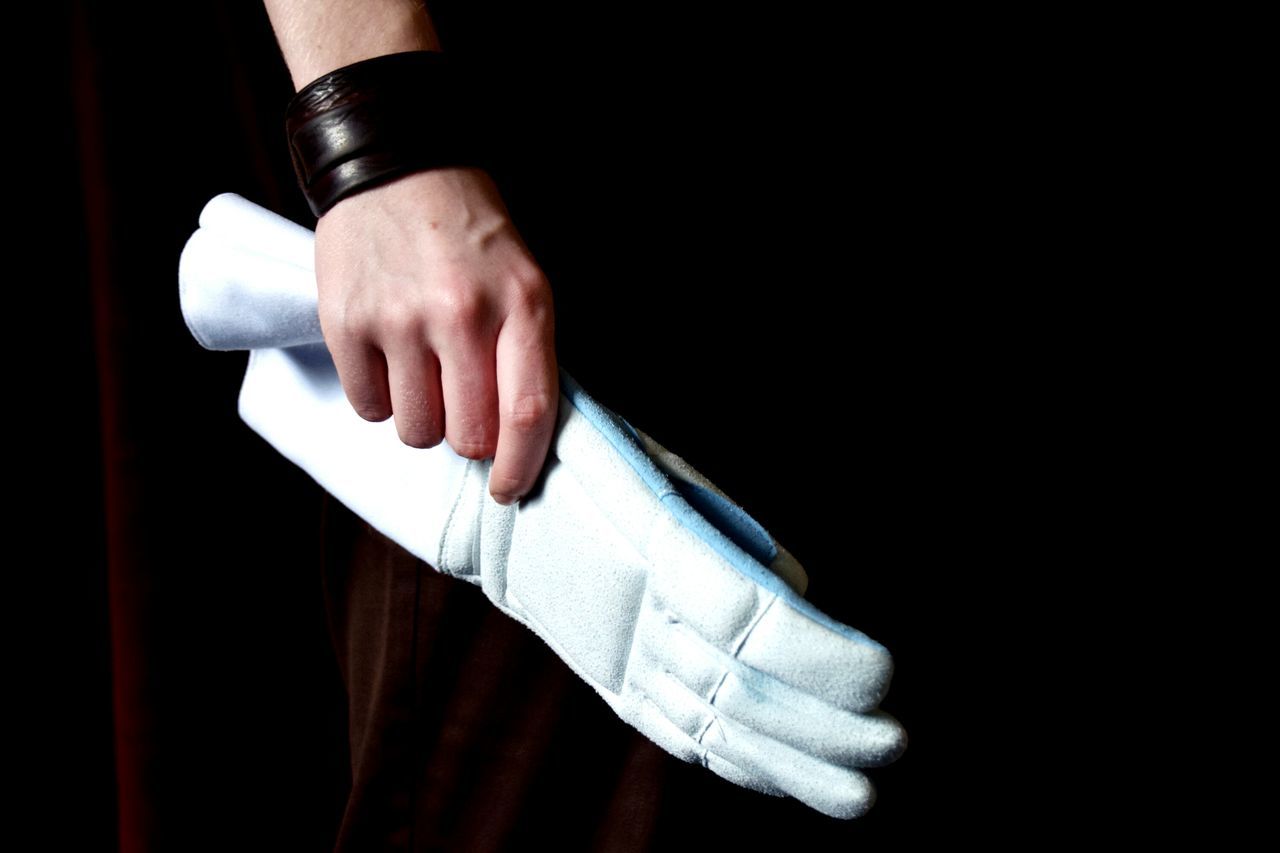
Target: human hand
column 435, row 311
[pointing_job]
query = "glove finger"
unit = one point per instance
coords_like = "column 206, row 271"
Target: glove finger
column 857, row 740
column 801, row 646
column 836, row 791
column 783, row 636
column 765, row 704
column 652, row 721
column 733, row 773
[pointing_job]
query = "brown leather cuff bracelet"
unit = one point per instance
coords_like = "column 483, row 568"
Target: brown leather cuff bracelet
column 372, row 121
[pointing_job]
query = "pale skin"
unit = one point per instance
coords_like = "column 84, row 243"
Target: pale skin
column 431, row 304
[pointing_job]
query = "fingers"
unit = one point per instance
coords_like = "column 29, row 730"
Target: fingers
column 808, row 650
column 363, row 372
column 528, row 401
column 735, row 774
column 762, row 703
column 413, row 375
column 833, row 790
column 751, row 759
column 770, row 707
column 653, row 721
column 470, row 396
column 489, row 396
column 397, row 376
column 755, row 728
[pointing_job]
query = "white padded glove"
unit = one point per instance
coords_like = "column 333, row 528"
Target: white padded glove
column 679, row 609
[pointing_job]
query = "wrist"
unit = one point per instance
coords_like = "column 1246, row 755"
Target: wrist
column 392, row 28
column 448, row 200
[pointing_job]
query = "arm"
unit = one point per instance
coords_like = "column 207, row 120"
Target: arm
column 431, row 305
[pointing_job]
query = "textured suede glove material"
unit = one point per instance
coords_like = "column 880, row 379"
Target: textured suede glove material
column 679, row 609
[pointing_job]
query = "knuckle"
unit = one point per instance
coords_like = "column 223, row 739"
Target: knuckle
column 336, row 322
column 400, row 321
column 531, row 291
column 460, row 305
column 344, row 318
column 528, row 412
column 531, row 278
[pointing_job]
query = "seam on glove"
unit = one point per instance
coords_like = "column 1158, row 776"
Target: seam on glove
column 447, row 539
column 711, row 700
column 715, row 719
column 746, row 635
column 633, row 642
column 696, row 751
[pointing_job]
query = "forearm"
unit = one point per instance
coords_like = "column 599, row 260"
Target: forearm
column 430, row 303
column 317, row 36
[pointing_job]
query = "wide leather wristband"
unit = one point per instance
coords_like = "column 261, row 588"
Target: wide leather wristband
column 370, row 122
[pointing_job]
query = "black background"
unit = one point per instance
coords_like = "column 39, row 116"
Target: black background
column 786, row 243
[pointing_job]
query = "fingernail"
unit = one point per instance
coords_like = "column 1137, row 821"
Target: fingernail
column 506, row 500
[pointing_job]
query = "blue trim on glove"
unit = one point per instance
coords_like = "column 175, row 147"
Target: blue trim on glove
column 744, row 541
column 731, row 519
